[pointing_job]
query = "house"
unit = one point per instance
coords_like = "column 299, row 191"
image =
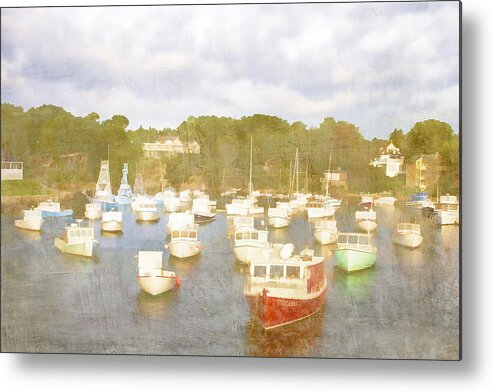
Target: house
column 391, row 159
column 12, row 170
column 424, row 171
column 169, row 146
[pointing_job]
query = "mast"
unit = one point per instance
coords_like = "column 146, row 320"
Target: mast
column 250, row 182
column 297, row 164
column 306, row 178
column 290, row 178
column 328, row 176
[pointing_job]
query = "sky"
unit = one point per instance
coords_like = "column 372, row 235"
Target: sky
column 379, row 66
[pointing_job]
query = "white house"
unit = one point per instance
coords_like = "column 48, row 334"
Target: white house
column 390, row 158
column 170, row 146
column 12, row 170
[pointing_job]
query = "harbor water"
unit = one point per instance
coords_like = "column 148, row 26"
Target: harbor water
column 406, row 306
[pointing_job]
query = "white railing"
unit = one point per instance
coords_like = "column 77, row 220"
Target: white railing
column 12, row 170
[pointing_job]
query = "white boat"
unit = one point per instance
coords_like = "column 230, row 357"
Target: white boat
column 112, row 221
column 354, row 251
column 366, row 201
column 319, row 209
column 125, row 194
column 238, row 207
column 103, row 186
column 171, row 202
column 366, row 220
column 178, row 220
column 286, row 205
column 202, row 213
column 325, row 231
column 77, row 240
column 153, row 279
column 278, row 217
column 408, row 235
column 243, row 221
column 146, row 211
column 250, row 243
column 448, row 210
column 204, row 199
column 32, row 220
column 385, row 201
column 184, row 242
column 93, row 211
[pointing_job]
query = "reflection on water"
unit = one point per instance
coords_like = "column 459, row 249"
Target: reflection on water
column 404, row 307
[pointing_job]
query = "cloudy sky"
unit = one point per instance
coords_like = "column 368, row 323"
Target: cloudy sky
column 380, row 66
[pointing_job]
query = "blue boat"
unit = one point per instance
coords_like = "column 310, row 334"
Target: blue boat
column 52, row 209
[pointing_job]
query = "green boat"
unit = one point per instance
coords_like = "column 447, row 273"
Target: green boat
column 354, row 252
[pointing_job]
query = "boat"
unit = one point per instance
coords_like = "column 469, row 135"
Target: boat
column 153, row 279
column 171, row 202
column 325, row 231
column 178, row 220
column 184, row 242
column 354, row 252
column 112, row 221
column 243, row 221
column 319, row 209
column 238, row 207
column 125, row 194
column 448, row 210
column 366, row 202
column 77, row 240
column 282, row 289
column 408, row 235
column 385, row 200
column 366, row 220
column 278, row 217
column 52, row 209
column 250, row 243
column 420, row 200
column 203, row 214
column 146, row 210
column 32, row 220
column 286, row 205
column 93, row 211
column 103, row 193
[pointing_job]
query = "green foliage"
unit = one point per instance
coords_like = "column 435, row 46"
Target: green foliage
column 43, row 136
column 22, row 188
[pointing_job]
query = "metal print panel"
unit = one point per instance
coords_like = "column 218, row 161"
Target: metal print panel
column 277, row 180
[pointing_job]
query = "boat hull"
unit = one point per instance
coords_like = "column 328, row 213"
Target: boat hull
column 82, row 248
column 93, row 214
column 247, row 253
column 409, row 240
column 201, row 218
column 156, row 285
column 31, row 224
column 273, row 312
column 112, row 226
column 314, row 213
column 48, row 214
column 354, row 259
column 278, row 221
column 184, row 249
column 449, row 217
column 325, row 237
column 147, row 216
column 367, row 225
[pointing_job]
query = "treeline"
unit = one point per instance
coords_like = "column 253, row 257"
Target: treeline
column 43, row 137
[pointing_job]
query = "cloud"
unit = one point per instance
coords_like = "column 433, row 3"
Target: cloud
column 380, row 66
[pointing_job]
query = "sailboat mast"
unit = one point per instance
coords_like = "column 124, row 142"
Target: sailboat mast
column 290, row 188
column 297, row 171
column 251, row 154
column 329, row 176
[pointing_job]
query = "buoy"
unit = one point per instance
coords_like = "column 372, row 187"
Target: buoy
column 177, row 280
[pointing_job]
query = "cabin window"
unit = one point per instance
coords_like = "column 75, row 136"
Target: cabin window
column 259, row 271
column 238, row 236
column 254, row 236
column 363, row 240
column 276, row 271
column 193, row 235
column 342, row 239
column 292, row 272
column 175, row 234
column 353, row 239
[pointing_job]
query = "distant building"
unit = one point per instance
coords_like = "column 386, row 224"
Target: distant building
column 391, row 159
column 336, row 178
column 169, row 146
column 12, row 170
column 77, row 159
column 424, row 171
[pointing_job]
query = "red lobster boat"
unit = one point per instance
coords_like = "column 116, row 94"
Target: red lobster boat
column 282, row 288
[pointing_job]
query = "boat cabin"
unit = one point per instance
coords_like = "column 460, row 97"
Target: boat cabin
column 448, row 199
column 32, row 215
column 409, row 227
column 146, row 206
column 76, row 233
column 180, row 219
column 249, row 234
column 149, row 263
column 322, row 224
column 354, row 240
column 112, row 216
column 278, row 212
column 243, row 221
column 366, row 215
column 185, row 233
column 49, row 206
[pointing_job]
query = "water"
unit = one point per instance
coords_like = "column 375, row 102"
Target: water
column 407, row 306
